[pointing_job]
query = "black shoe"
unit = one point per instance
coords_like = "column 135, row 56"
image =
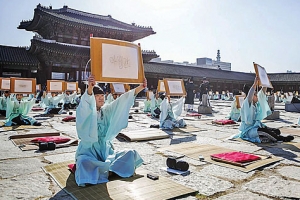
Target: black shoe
column 182, row 165
column 171, row 163
column 288, row 138
column 37, row 124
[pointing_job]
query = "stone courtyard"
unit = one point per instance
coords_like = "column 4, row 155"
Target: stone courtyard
column 21, row 175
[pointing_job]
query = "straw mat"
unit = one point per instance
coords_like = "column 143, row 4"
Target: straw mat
column 135, row 187
column 25, row 144
column 193, row 150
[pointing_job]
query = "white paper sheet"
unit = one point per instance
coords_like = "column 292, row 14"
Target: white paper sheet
column 56, row 86
column 23, row 86
column 5, row 85
column 119, row 87
column 175, row 87
column 71, row 86
column 119, row 61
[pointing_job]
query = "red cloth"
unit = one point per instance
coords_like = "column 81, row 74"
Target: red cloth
column 235, row 156
column 56, row 139
column 69, row 118
column 72, row 167
column 224, row 121
column 37, row 109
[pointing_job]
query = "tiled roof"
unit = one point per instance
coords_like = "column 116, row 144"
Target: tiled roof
column 188, row 71
column 73, row 49
column 80, row 17
column 65, row 48
column 284, row 77
column 17, row 56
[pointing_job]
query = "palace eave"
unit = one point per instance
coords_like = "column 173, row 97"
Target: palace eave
column 43, row 17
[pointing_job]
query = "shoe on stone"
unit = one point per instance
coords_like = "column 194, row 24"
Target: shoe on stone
column 37, row 124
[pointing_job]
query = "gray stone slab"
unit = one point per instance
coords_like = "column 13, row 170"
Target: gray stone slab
column 29, row 186
column 60, row 157
column 292, row 172
column 243, row 195
column 15, row 167
column 274, row 186
column 225, row 172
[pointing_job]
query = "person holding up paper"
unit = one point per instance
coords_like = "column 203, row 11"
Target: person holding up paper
column 69, row 100
column 50, row 101
column 17, row 111
column 235, row 112
column 170, row 112
column 254, row 109
column 97, row 125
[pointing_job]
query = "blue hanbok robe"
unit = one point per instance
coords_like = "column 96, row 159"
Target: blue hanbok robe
column 169, row 114
column 16, row 108
column 235, row 112
column 147, row 106
column 251, row 116
column 109, row 99
column 50, row 102
column 69, row 98
column 3, row 103
column 95, row 156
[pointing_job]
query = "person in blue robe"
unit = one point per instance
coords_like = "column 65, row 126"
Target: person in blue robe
column 50, row 101
column 235, row 112
column 254, row 109
column 17, row 111
column 170, row 112
column 3, row 103
column 97, row 125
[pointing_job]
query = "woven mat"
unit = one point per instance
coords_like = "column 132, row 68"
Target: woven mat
column 25, row 144
column 188, row 129
column 193, row 151
column 143, row 135
column 290, row 131
column 21, row 127
column 136, row 187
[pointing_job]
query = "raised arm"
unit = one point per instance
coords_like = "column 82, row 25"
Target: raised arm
column 140, row 87
column 252, row 90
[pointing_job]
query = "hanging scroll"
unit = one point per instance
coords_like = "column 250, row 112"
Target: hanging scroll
column 115, row 61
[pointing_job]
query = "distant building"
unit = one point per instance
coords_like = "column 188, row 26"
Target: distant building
column 214, row 64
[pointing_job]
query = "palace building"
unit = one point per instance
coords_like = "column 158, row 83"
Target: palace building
column 61, row 45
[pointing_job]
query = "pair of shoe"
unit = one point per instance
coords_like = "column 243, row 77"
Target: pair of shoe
column 177, row 164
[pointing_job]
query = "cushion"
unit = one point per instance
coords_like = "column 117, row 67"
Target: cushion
column 56, row 139
column 224, row 121
column 193, row 114
column 72, row 167
column 37, row 109
column 69, row 118
column 235, row 156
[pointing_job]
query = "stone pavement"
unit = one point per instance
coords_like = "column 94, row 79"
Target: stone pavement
column 21, row 176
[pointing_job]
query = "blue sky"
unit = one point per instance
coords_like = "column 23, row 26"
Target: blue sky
column 266, row 32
